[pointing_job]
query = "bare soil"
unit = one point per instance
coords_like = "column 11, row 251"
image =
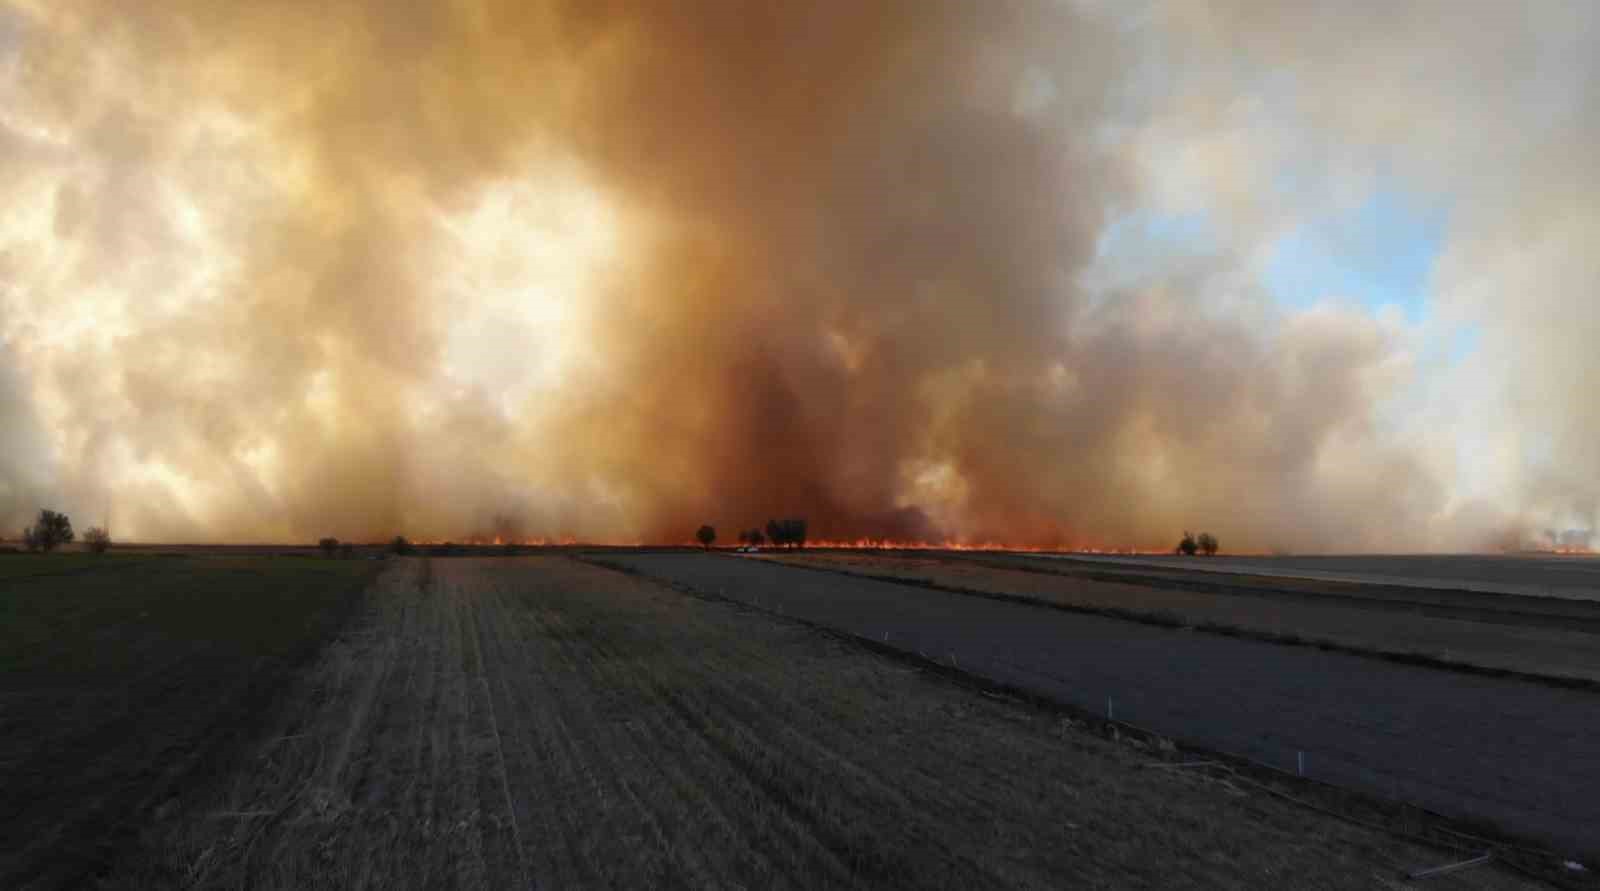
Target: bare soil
column 1350, row 622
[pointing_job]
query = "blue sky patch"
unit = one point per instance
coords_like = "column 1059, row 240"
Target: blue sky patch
column 1378, row 254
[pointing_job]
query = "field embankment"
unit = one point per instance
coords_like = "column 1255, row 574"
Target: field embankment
column 124, row 680
column 541, row 722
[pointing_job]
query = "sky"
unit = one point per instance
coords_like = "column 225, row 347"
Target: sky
column 1069, row 273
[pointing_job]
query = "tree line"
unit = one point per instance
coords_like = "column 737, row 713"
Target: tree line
column 1191, row 544
column 789, row 533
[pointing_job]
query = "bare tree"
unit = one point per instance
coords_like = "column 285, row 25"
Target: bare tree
column 98, row 539
column 706, row 535
column 1208, row 544
column 48, row 532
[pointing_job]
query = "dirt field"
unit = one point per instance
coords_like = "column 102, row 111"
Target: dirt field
column 1357, row 623
column 125, row 679
column 540, row 722
column 1515, row 753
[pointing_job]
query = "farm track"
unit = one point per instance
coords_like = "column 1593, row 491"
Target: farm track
column 540, row 722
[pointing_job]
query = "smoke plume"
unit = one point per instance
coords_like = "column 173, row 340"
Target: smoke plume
column 913, row 270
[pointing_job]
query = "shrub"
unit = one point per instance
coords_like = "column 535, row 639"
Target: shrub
column 98, row 539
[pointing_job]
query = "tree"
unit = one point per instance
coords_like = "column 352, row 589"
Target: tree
column 1208, row 544
column 48, row 532
column 400, row 545
column 756, row 538
column 706, row 535
column 1188, row 545
column 787, row 533
column 328, row 545
column 98, row 540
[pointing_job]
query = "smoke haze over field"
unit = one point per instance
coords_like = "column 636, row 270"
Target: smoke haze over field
column 971, row 271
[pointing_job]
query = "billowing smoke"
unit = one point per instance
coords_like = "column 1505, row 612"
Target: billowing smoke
column 923, row 270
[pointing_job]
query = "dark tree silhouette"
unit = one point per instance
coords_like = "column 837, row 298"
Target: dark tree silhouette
column 48, row 532
column 796, row 531
column 328, row 545
column 98, row 540
column 1188, row 545
column 706, row 535
column 787, row 533
column 756, row 538
column 400, row 545
column 1208, row 544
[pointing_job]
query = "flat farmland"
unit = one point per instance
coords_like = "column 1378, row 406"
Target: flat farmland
column 544, row 722
column 1493, row 640
column 126, row 680
column 1518, row 754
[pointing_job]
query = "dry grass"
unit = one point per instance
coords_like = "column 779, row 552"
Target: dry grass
column 1535, row 651
column 538, row 721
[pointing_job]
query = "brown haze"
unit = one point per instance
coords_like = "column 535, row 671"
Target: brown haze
column 850, row 261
